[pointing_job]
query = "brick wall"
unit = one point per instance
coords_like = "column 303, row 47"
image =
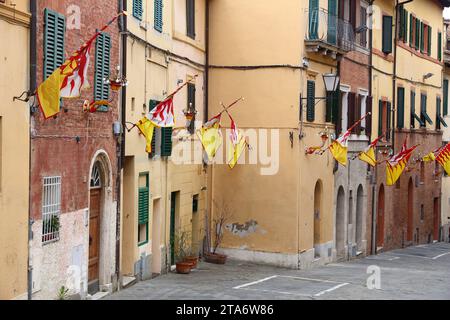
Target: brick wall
column 55, row 150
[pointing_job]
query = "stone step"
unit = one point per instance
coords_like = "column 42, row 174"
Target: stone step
column 128, row 281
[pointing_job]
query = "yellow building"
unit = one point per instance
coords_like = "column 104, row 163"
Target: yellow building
column 164, row 193
column 407, row 105
column 445, row 203
column 14, row 149
column 281, row 199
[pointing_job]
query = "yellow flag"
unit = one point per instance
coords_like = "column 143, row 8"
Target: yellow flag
column 396, row 165
column 211, row 139
column 429, row 157
column 49, row 94
column 235, row 151
column 368, row 156
column 339, row 152
column 146, row 127
column 444, row 158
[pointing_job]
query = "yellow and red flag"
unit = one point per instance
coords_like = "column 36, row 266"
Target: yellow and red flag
column 397, row 164
column 162, row 115
column 339, row 148
column 147, row 128
column 443, row 158
column 238, row 144
column 211, row 137
column 368, row 155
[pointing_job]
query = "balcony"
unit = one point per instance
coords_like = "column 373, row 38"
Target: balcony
column 328, row 35
column 447, row 53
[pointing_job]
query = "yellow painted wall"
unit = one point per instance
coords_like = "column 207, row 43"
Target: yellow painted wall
column 14, row 153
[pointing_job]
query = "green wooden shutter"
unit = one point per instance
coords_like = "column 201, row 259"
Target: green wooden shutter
column 313, row 19
column 405, row 26
column 439, row 49
column 158, row 15
column 369, row 101
column 380, row 117
column 429, row 40
column 413, row 109
column 445, row 95
column 138, row 9
column 152, row 105
column 102, row 65
column 387, row 34
column 411, row 30
column 143, row 205
column 332, row 21
column 54, row 31
column 423, row 110
column 417, row 44
column 166, row 142
column 190, row 18
column 438, row 113
column 388, row 120
column 401, row 108
column 422, row 37
column 191, row 100
column 310, row 105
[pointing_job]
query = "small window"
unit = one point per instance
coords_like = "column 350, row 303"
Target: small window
column 51, row 209
column 191, row 104
column 387, row 34
column 422, row 212
column 95, row 176
column 195, row 204
column 400, row 107
column 190, row 18
column 143, row 208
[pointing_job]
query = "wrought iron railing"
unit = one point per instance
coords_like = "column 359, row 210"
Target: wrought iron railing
column 326, row 27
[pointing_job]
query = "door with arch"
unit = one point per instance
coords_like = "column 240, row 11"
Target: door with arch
column 410, row 218
column 317, row 214
column 380, row 217
column 359, row 216
column 340, row 224
column 95, row 208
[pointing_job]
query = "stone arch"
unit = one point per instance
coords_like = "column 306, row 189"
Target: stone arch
column 360, row 216
column 318, row 211
column 340, row 223
column 380, row 217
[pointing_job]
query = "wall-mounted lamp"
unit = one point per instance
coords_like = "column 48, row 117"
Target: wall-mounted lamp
column 427, row 76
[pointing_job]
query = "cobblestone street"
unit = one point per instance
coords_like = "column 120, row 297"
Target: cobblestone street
column 413, row 273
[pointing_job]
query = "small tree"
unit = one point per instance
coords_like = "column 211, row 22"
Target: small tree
column 221, row 217
column 181, row 245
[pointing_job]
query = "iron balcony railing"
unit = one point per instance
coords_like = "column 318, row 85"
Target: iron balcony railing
column 328, row 28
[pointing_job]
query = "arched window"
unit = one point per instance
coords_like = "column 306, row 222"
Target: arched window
column 96, row 181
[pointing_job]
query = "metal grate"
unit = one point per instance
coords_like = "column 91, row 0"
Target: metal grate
column 51, row 209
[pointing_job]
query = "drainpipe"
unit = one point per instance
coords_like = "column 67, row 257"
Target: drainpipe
column 121, row 159
column 206, row 77
column 32, row 84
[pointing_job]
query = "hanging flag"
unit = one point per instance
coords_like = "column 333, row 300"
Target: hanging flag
column 49, row 94
column 339, row 148
column 77, row 80
column 443, row 158
column 162, row 115
column 368, row 155
column 397, row 164
column 147, row 128
column 211, row 137
column 430, row 157
column 234, row 133
column 236, row 151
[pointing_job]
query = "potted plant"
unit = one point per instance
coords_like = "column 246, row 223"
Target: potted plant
column 181, row 247
column 221, row 218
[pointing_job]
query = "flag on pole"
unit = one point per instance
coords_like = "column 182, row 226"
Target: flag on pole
column 76, row 81
column 147, row 128
column 339, row 148
column 238, row 144
column 368, row 155
column 430, row 157
column 443, row 158
column 211, row 137
column 49, row 94
column 397, row 164
column 162, row 115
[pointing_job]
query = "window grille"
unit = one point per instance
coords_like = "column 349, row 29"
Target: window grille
column 51, row 209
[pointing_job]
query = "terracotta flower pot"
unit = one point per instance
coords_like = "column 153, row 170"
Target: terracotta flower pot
column 183, row 267
column 192, row 260
column 215, row 258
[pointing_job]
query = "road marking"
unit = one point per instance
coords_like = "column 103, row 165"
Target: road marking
column 441, row 255
column 275, row 291
column 411, row 255
column 309, row 279
column 254, row 282
column 382, row 258
column 331, row 289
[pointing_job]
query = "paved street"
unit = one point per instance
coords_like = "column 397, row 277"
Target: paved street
column 413, row 273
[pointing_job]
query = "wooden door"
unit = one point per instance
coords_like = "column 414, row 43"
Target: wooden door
column 173, row 203
column 94, row 237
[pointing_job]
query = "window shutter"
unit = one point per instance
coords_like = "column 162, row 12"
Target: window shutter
column 429, row 40
column 313, row 19
column 190, row 18
column 158, row 15
column 166, row 142
column 353, row 14
column 137, row 9
column 380, row 117
column 439, row 50
column 405, row 26
column 310, row 106
column 143, row 205
column 438, row 113
column 422, row 37
column 413, row 109
column 332, row 21
column 351, row 114
column 337, row 111
column 54, row 31
column 388, row 120
column 445, row 97
column 411, row 29
column 387, row 34
column 400, row 108
column 358, row 113
column 369, row 101
column 191, row 100
column 423, row 109
column 102, row 63
column 417, row 44
column 152, row 105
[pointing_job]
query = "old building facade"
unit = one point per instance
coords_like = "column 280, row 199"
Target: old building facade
column 445, row 188
column 74, row 157
column 164, row 193
column 14, row 149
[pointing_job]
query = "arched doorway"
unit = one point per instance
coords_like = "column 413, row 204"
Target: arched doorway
column 317, row 216
column 340, row 224
column 102, row 221
column 410, row 218
column 380, row 218
column 359, row 216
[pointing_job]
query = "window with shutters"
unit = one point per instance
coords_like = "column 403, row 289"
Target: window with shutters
column 54, row 32
column 352, row 110
column 138, row 9
column 400, row 108
column 412, row 30
column 439, row 46
column 190, row 18
column 102, row 65
column 417, row 35
column 311, row 101
column 363, row 35
column 332, row 110
column 414, row 116
column 166, row 142
column 439, row 119
column 424, row 117
column 384, row 119
column 445, row 97
column 422, row 36
column 387, row 34
column 143, row 208
column 158, row 15
column 402, row 24
column 156, row 140
column 191, row 105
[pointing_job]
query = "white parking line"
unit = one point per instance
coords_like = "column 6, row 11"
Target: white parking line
column 441, row 255
column 254, row 282
column 329, row 290
column 309, row 279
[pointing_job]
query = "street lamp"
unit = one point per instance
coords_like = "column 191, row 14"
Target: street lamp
column 331, row 81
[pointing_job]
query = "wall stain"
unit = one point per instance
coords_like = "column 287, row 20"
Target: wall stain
column 244, row 230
